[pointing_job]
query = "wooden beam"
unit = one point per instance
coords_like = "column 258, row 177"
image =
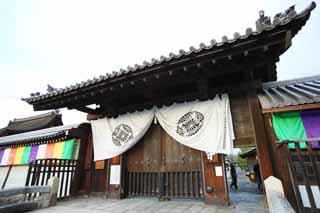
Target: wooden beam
column 158, row 102
column 292, row 108
column 202, row 85
column 91, row 111
column 288, row 40
column 308, row 140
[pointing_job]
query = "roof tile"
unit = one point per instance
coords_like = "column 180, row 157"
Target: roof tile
column 290, row 93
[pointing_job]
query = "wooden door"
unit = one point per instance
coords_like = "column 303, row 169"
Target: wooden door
column 94, row 173
column 181, row 174
column 160, row 166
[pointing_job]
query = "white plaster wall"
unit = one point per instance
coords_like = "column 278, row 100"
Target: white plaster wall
column 3, row 173
column 17, row 177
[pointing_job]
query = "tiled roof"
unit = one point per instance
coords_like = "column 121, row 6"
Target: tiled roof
column 20, row 125
column 35, row 117
column 290, row 93
column 279, row 19
column 36, row 136
column 35, row 122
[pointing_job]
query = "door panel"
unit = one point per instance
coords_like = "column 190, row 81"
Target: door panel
column 158, row 165
column 151, row 149
column 145, row 155
column 177, row 156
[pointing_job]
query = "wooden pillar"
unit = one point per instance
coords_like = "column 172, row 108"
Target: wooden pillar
column 88, row 166
column 214, row 177
column 77, row 186
column 259, row 133
column 82, row 133
column 115, row 169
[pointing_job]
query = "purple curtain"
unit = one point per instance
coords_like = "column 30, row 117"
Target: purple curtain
column 1, row 154
column 311, row 122
column 33, row 153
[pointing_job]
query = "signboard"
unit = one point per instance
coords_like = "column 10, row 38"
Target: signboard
column 115, row 171
column 218, row 170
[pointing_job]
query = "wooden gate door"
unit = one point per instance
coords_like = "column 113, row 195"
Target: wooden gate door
column 94, row 173
column 160, row 166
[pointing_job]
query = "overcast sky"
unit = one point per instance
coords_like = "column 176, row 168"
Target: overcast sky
column 62, row 42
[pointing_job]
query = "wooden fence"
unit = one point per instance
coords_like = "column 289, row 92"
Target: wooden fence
column 182, row 184
column 42, row 169
column 304, row 170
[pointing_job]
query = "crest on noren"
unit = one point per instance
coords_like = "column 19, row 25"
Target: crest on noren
column 122, row 134
column 190, row 123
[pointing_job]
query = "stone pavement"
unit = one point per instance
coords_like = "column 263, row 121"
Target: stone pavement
column 247, row 194
column 131, row 205
column 246, row 199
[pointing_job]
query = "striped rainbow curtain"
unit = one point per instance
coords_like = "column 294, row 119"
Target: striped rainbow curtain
column 25, row 154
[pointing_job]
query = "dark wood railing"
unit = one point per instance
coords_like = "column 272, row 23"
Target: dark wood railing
column 304, row 170
column 143, row 183
column 183, row 184
column 42, row 169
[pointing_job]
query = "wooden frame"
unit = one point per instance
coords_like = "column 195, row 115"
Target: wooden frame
column 292, row 108
column 304, row 171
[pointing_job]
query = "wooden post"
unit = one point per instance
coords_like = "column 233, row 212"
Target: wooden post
column 260, row 136
column 214, row 179
column 80, row 166
column 114, row 190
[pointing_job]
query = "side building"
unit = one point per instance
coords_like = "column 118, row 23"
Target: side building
column 32, row 152
column 291, row 112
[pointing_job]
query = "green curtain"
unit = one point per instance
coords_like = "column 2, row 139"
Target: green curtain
column 26, row 154
column 67, row 149
column 289, row 126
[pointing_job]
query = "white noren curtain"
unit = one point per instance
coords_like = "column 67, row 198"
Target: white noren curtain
column 205, row 126
column 114, row 136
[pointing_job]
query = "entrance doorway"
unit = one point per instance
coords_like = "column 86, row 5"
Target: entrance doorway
column 248, row 187
column 160, row 166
